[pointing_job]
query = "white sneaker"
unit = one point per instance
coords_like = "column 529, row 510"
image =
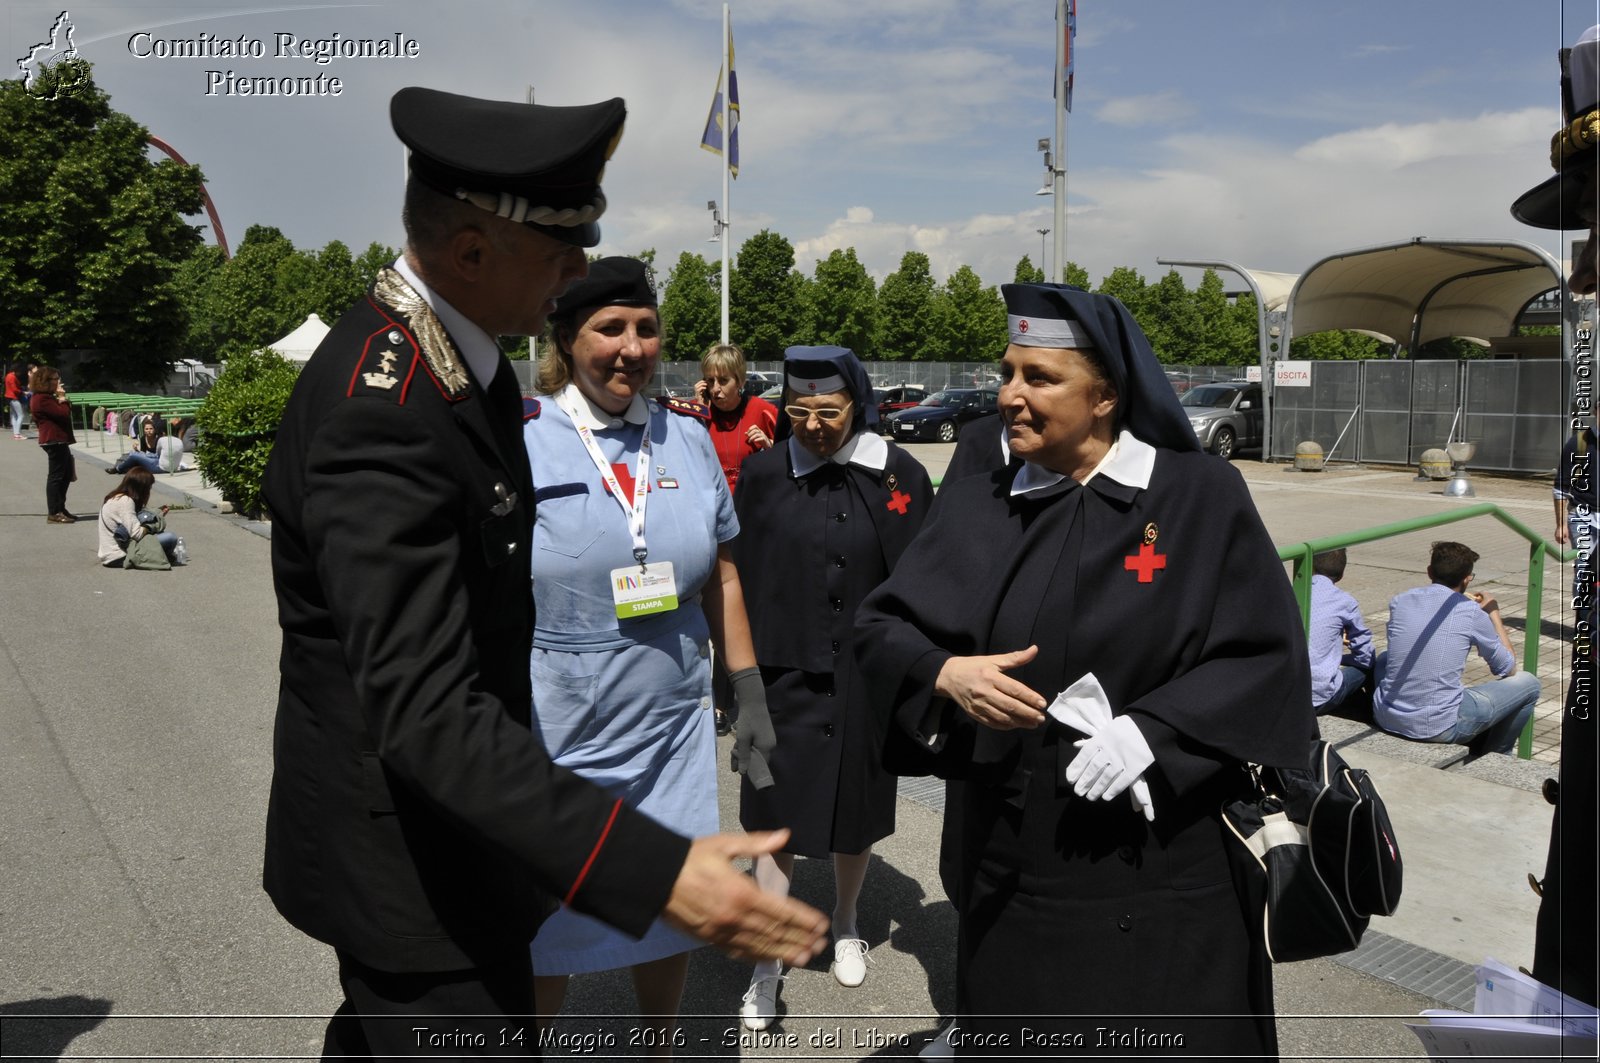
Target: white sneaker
column 760, row 1005
column 850, row 961
column 940, row 1047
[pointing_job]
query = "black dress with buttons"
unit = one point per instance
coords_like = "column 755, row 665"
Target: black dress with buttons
column 809, row 551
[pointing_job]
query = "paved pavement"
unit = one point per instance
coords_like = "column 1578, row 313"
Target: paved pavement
column 137, row 713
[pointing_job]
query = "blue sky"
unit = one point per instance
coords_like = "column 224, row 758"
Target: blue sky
column 1266, row 132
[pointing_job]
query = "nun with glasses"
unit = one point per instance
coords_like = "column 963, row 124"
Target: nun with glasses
column 1095, row 641
column 826, row 516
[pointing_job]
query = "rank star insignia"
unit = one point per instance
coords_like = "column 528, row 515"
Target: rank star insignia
column 386, row 360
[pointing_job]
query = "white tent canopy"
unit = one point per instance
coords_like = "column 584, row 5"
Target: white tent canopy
column 298, row 345
column 1423, row 289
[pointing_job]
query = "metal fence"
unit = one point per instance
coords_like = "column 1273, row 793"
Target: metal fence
column 1392, row 411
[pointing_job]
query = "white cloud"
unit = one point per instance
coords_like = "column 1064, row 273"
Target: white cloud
column 1161, row 108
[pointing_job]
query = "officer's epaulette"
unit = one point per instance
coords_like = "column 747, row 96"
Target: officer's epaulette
column 412, row 343
column 687, row 407
column 387, row 365
column 530, row 408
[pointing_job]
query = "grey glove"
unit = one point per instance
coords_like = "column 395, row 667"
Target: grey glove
column 756, row 739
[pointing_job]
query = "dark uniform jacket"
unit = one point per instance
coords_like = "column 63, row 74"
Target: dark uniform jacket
column 415, row 822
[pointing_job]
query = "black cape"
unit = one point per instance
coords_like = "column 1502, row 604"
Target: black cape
column 1071, row 907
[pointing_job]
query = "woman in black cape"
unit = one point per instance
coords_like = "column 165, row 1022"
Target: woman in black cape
column 1128, row 572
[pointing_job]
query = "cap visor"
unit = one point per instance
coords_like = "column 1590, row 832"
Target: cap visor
column 585, row 235
column 1553, row 204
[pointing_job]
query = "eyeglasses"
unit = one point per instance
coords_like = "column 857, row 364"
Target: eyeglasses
column 802, row 414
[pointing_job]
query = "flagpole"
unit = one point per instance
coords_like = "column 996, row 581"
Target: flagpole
column 1058, row 177
column 727, row 162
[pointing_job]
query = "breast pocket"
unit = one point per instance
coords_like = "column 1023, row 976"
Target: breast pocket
column 566, row 527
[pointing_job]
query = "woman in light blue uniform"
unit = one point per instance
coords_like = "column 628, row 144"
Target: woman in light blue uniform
column 633, row 585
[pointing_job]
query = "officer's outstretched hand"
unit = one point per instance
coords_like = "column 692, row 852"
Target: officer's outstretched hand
column 722, row 905
column 756, row 739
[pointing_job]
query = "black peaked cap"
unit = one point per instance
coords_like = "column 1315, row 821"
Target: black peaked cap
column 550, row 156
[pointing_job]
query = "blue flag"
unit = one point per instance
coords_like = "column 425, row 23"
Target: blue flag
column 711, row 139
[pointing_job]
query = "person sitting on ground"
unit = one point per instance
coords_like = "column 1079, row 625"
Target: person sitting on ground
column 1339, row 640
column 1419, row 693
column 170, row 448
column 119, row 518
column 145, row 453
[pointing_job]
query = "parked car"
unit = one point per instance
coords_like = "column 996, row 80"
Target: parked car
column 1225, row 415
column 675, row 382
column 941, row 415
column 757, row 382
column 899, row 397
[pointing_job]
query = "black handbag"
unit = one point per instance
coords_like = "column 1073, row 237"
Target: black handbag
column 1315, row 854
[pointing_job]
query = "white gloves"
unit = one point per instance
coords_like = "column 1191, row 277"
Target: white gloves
column 1114, row 756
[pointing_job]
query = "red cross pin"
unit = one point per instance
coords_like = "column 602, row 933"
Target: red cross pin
column 1145, row 562
column 898, row 502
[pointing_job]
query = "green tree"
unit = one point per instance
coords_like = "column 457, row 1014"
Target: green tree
column 1077, row 276
column 1169, row 319
column 341, row 282
column 1241, row 344
column 194, row 282
column 691, row 308
column 767, row 297
column 843, row 304
column 369, row 262
column 247, row 303
column 969, row 319
column 92, row 233
column 1125, row 284
column 905, row 311
column 238, row 424
column 1337, row 344
column 1027, row 272
column 1210, row 344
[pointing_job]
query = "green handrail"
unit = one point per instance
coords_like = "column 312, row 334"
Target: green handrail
column 1302, row 553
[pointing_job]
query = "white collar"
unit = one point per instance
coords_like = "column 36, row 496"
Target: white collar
column 866, row 449
column 1130, row 461
column 478, row 349
column 585, row 412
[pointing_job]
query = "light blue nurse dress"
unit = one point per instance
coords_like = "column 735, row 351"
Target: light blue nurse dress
column 624, row 703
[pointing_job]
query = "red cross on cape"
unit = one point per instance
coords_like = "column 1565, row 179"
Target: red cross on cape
column 1145, row 562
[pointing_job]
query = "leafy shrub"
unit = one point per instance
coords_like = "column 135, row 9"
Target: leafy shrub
column 238, row 424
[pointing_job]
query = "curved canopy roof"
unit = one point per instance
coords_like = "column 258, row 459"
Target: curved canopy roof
column 1444, row 287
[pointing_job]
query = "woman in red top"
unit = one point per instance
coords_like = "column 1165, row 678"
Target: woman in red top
column 52, row 415
column 740, row 425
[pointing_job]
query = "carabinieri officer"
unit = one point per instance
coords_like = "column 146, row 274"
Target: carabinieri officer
column 416, row 824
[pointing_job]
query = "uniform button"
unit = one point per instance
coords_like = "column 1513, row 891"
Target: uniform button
column 829, row 692
column 1126, row 852
column 511, row 548
column 1125, row 923
column 838, row 605
column 705, row 703
column 827, row 730
column 835, row 645
column 841, row 517
column 838, row 560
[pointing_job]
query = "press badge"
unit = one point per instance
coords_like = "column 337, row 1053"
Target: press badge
column 644, row 591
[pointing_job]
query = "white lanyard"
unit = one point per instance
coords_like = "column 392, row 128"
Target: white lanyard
column 641, row 477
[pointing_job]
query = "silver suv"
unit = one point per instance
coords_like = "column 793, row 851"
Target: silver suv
column 1225, row 415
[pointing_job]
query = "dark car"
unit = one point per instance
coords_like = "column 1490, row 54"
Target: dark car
column 757, row 382
column 899, row 397
column 941, row 415
column 1225, row 415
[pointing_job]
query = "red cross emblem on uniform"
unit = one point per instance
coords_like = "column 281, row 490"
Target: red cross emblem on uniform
column 1146, row 561
column 898, row 502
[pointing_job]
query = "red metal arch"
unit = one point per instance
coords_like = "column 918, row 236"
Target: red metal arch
column 211, row 208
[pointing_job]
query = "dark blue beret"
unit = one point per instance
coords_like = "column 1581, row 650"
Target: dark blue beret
column 615, row 281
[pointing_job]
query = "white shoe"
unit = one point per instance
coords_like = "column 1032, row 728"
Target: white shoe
column 850, row 961
column 760, row 1005
column 940, row 1047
